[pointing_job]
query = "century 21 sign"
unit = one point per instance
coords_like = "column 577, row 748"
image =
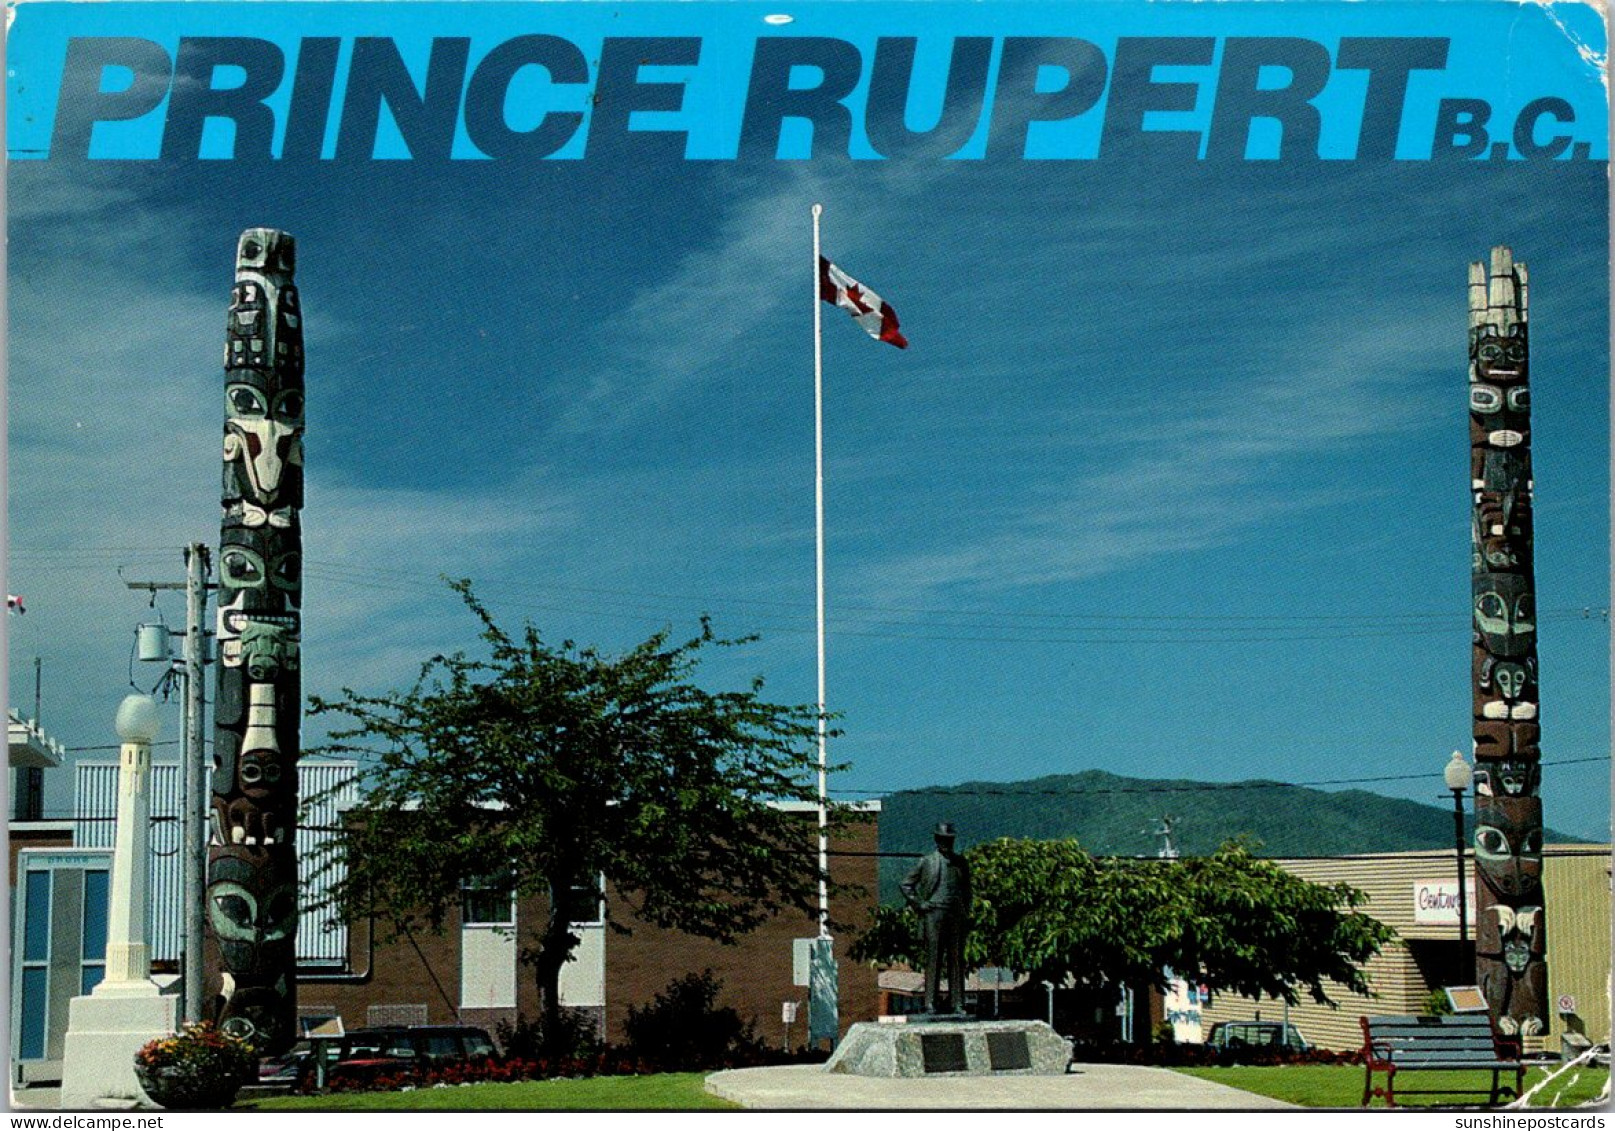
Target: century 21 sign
column 1436, row 901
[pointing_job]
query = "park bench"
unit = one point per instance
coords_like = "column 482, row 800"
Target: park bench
column 1458, row 1042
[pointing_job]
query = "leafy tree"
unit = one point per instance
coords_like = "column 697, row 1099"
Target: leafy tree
column 548, row 767
column 1231, row 920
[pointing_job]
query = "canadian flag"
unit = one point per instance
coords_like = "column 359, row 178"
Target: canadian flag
column 867, row 308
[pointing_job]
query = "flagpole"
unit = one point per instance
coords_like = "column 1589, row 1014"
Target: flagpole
column 818, row 501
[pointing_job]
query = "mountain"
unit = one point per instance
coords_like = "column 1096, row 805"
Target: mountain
column 1113, row 815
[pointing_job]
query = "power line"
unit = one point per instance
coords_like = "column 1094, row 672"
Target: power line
column 366, row 576
column 372, row 577
column 1269, row 631
column 1186, row 787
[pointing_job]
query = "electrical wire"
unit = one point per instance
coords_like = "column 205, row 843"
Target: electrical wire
column 1217, row 631
column 1186, row 787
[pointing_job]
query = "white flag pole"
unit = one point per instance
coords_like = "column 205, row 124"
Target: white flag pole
column 818, row 500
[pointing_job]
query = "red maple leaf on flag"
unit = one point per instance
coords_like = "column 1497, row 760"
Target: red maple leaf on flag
column 867, row 308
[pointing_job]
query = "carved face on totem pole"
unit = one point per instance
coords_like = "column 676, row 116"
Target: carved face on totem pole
column 1508, row 848
column 1505, row 614
column 1507, row 778
column 252, row 912
column 1499, row 372
column 1500, row 415
column 1499, row 356
column 1504, row 689
column 1510, row 949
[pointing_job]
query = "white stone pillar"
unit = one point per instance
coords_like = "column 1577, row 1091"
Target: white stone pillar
column 123, row 1012
column 128, row 954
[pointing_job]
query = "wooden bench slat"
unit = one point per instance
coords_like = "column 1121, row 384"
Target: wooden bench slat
column 1424, row 1021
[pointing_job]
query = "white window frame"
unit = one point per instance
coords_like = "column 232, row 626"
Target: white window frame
column 486, row 887
column 599, row 919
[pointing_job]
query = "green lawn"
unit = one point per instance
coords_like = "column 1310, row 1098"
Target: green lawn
column 1341, row 1085
column 674, row 1091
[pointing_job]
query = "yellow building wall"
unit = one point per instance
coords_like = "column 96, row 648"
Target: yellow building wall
column 1576, row 884
column 1577, row 904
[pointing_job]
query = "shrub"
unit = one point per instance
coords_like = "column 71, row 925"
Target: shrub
column 682, row 1030
column 575, row 1036
column 1436, row 1004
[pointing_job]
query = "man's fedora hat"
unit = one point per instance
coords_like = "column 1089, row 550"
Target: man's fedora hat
column 944, row 828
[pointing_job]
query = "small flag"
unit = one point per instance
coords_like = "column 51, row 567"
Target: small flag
column 867, row 308
column 14, row 604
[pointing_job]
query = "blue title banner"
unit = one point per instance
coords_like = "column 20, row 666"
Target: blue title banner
column 1180, row 81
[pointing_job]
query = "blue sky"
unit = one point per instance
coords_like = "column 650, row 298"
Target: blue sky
column 1172, row 482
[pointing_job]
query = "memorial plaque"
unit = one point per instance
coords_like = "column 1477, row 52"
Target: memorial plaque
column 1007, row 1052
column 943, row 1052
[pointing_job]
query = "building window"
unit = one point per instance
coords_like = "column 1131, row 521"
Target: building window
column 93, row 944
column 28, row 793
column 488, row 901
column 587, row 896
column 35, row 964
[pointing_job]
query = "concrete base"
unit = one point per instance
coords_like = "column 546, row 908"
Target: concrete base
column 104, row 1031
column 952, row 1048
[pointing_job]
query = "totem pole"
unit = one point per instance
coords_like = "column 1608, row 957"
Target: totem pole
column 252, row 862
column 1509, row 926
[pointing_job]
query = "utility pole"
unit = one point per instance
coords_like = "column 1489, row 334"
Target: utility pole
column 193, row 857
column 196, row 792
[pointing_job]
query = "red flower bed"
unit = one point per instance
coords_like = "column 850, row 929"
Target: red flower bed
column 608, row 1062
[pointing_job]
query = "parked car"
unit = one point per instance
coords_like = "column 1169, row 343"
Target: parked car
column 448, row 1044
column 288, row 1068
column 364, row 1055
column 1236, row 1038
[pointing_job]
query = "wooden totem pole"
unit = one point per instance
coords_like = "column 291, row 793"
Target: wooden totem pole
column 252, row 862
column 1509, row 926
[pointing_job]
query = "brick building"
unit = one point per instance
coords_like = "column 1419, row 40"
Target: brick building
column 470, row 972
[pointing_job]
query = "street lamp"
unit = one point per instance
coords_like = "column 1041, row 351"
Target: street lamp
column 128, row 961
column 1458, row 776
column 125, row 1009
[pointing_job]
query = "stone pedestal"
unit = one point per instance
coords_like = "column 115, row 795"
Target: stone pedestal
column 952, row 1048
column 104, row 1031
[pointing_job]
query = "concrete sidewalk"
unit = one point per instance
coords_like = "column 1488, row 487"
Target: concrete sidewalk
column 1087, row 1087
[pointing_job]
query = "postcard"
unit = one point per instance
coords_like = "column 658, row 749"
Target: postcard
column 686, row 543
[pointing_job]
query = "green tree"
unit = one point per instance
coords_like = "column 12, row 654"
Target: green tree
column 1231, row 920
column 549, row 767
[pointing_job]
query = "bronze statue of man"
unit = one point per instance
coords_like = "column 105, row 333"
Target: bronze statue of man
column 938, row 889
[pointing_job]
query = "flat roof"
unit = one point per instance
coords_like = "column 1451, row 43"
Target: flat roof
column 813, row 806
column 30, row 746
